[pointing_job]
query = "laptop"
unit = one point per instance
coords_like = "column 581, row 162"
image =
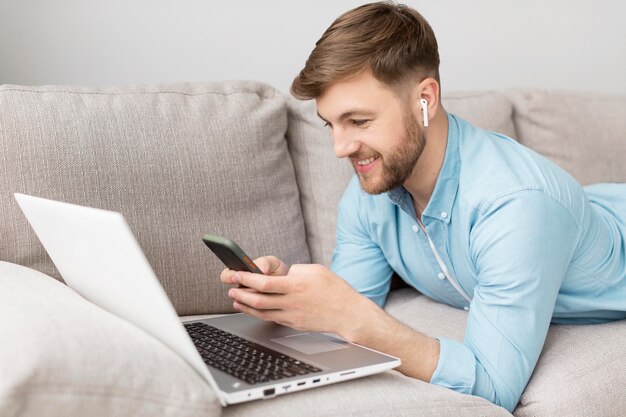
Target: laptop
column 241, row 357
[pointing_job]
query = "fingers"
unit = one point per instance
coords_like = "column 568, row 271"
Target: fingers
column 255, row 299
column 271, row 265
column 269, row 315
column 263, row 283
column 227, row 276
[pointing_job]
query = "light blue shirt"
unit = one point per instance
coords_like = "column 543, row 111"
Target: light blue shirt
column 523, row 239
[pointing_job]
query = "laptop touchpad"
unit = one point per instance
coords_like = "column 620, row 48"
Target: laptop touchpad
column 311, row 343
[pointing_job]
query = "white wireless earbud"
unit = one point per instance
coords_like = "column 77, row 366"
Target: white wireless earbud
column 424, row 104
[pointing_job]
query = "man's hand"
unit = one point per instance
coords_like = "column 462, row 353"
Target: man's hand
column 270, row 265
column 312, row 298
column 304, row 297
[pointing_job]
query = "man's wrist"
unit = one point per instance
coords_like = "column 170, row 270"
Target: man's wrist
column 373, row 327
column 356, row 326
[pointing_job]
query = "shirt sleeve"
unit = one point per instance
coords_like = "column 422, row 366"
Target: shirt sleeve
column 521, row 246
column 357, row 258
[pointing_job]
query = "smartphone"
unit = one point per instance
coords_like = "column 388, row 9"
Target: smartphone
column 230, row 254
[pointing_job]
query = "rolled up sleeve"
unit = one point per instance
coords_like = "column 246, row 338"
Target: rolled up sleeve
column 456, row 368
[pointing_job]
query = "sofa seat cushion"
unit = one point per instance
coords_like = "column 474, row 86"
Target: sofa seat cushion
column 386, row 394
column 62, row 356
column 581, row 371
column 178, row 161
column 583, row 133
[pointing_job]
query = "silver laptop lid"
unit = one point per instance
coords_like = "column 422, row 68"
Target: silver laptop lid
column 98, row 256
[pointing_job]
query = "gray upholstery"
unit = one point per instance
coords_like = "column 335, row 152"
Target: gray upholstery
column 177, row 160
column 583, row 133
column 581, row 371
column 489, row 110
column 322, row 178
column 387, row 394
column 62, row 356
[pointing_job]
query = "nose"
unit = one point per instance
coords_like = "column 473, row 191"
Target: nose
column 344, row 145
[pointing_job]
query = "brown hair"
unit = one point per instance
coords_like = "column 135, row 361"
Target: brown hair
column 392, row 40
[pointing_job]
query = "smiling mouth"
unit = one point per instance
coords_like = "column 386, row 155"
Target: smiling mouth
column 367, row 161
column 363, row 166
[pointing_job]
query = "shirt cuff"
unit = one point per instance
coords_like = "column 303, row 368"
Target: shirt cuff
column 456, row 368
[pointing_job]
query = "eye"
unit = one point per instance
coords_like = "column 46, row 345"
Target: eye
column 328, row 124
column 359, row 122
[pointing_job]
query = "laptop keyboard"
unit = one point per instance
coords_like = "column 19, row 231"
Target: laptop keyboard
column 245, row 360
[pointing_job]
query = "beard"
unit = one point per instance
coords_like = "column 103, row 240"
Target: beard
column 398, row 165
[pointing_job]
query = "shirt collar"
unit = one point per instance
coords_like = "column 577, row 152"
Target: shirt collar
column 442, row 200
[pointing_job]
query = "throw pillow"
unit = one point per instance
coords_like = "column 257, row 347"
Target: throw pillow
column 63, row 356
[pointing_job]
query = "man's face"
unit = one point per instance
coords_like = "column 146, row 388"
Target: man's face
column 376, row 129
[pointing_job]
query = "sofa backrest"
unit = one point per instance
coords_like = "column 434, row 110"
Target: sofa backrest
column 181, row 160
column 583, row 133
column 177, row 160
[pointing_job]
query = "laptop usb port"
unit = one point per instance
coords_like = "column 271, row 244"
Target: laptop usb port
column 315, row 381
column 268, row 392
column 301, row 383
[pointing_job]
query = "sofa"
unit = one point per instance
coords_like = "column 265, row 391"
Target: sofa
column 243, row 160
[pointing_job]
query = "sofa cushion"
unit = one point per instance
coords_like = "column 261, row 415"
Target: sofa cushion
column 63, row 356
column 583, row 133
column 386, row 394
column 322, row 178
column 489, row 110
column 581, row 371
column 178, row 161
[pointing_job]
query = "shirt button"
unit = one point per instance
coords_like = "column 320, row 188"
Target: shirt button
column 415, row 228
column 466, row 308
column 441, row 275
column 444, row 214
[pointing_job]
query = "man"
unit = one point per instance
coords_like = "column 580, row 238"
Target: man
column 467, row 217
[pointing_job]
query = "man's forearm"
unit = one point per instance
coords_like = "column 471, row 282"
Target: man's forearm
column 372, row 327
column 312, row 298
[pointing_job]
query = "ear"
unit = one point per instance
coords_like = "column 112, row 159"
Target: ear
column 427, row 89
